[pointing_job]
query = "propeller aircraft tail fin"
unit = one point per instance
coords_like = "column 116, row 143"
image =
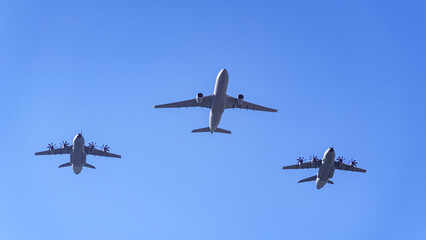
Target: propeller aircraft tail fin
column 309, row 179
column 68, row 164
column 207, row 129
column 88, row 165
column 331, row 182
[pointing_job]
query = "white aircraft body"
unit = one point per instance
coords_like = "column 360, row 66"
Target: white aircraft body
column 78, row 152
column 217, row 102
column 326, row 166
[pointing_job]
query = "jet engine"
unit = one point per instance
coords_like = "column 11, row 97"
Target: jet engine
column 199, row 98
column 240, row 99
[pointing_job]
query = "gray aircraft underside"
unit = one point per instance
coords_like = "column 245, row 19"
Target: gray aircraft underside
column 78, row 152
column 217, row 102
column 326, row 166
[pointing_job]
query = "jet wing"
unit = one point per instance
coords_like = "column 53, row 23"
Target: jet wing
column 97, row 152
column 231, row 102
column 56, row 151
column 206, row 102
column 305, row 165
column 346, row 167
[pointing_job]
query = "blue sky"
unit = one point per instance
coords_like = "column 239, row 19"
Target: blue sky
column 346, row 74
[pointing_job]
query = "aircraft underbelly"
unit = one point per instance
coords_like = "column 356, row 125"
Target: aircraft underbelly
column 218, row 108
column 78, row 158
column 215, row 118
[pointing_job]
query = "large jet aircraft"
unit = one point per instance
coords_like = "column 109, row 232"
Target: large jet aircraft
column 217, row 102
column 78, row 152
column 326, row 166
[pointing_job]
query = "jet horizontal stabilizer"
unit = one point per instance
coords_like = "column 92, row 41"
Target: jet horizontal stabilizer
column 309, row 179
column 88, row 165
column 68, row 164
column 207, row 129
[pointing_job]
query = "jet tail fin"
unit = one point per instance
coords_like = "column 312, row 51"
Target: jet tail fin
column 207, row 129
column 88, row 165
column 221, row 130
column 309, row 179
column 68, row 164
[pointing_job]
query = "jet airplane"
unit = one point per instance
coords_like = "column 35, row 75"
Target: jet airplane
column 326, row 166
column 78, row 152
column 217, row 102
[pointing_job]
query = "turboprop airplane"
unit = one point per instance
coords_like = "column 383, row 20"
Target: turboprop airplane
column 217, row 102
column 326, row 166
column 78, row 152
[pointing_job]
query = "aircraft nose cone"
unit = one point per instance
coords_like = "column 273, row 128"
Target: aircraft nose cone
column 224, row 72
column 79, row 135
column 331, row 149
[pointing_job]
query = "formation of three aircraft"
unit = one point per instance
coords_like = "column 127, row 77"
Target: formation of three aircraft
column 217, row 102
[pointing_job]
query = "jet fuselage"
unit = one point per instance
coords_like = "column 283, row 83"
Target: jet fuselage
column 219, row 101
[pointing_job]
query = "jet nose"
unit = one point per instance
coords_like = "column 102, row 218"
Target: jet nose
column 224, row 72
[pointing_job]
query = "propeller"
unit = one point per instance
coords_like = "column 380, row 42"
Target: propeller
column 92, row 145
column 354, row 163
column 64, row 144
column 105, row 148
column 314, row 158
column 300, row 160
column 51, row 146
column 340, row 159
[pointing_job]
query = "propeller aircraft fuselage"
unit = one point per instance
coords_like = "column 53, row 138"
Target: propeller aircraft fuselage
column 78, row 156
column 326, row 171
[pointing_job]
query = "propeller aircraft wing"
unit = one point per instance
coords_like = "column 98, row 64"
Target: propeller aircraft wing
column 305, row 165
column 101, row 153
column 347, row 167
column 56, row 151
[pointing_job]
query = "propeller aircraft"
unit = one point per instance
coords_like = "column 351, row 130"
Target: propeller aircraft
column 78, row 152
column 326, row 166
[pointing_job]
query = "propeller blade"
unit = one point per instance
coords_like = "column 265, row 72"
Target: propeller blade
column 105, row 148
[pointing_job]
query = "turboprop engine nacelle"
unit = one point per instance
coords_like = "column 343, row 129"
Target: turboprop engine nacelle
column 240, row 99
column 199, row 97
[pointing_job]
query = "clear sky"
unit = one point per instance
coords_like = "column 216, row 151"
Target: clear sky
column 346, row 74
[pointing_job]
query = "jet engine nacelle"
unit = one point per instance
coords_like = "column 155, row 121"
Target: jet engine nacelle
column 240, row 99
column 199, row 98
